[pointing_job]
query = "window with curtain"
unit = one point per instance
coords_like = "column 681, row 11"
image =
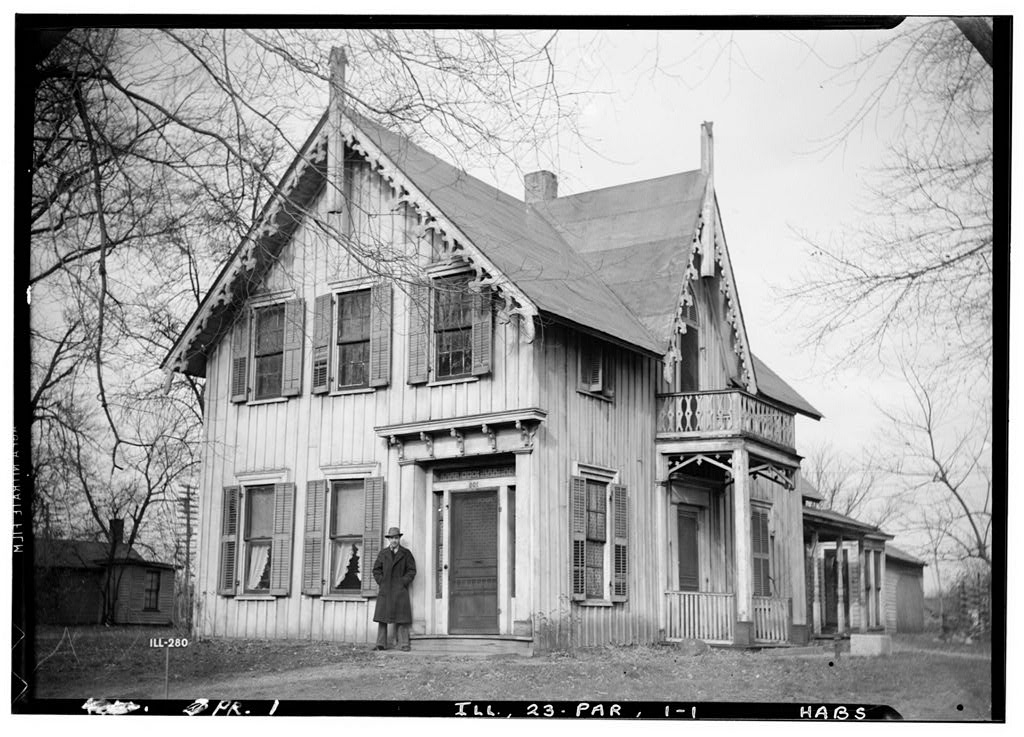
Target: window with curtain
column 346, row 533
column 259, row 530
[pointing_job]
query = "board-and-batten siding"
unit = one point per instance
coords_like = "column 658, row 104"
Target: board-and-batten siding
column 298, row 436
column 131, row 596
column 619, row 435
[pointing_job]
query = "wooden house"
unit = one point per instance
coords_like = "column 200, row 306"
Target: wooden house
column 553, row 397
column 72, row 575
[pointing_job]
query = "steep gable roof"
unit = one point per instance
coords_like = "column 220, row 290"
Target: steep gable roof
column 518, row 239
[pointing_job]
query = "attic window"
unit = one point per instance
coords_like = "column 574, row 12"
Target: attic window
column 594, row 376
column 269, row 352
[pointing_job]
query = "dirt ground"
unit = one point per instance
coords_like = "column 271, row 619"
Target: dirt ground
column 923, row 680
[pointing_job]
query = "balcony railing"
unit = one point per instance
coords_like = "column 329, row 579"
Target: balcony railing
column 698, row 615
column 730, row 412
column 771, row 619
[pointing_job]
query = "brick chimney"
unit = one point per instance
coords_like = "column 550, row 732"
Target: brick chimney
column 336, row 142
column 117, row 531
column 540, row 186
column 707, row 148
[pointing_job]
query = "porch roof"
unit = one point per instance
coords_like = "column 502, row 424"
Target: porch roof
column 833, row 524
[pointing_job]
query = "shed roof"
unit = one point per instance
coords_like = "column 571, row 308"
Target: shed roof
column 832, row 522
column 85, row 554
column 891, row 551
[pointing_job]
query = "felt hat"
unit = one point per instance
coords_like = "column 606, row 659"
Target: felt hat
column 393, row 532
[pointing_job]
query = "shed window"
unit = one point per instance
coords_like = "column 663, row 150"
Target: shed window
column 151, row 592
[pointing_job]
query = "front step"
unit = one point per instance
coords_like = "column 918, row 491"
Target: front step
column 480, row 645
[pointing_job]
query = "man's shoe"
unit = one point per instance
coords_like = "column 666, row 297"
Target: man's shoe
column 380, row 647
column 405, row 649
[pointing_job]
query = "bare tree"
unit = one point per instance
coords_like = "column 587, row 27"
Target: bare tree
column 153, row 153
column 855, row 487
column 946, row 466
column 917, row 267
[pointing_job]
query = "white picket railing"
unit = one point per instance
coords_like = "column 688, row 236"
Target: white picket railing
column 771, row 619
column 697, row 615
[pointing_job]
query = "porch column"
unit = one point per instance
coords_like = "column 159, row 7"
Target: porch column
column 862, row 566
column 816, row 585
column 407, row 508
column 882, row 608
column 840, row 591
column 526, row 505
column 743, row 558
column 797, row 572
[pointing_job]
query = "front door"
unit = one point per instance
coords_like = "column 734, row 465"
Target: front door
column 689, row 571
column 473, row 578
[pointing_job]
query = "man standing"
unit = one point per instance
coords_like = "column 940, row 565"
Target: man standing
column 394, row 571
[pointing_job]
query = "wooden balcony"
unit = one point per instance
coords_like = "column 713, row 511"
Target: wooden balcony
column 699, row 615
column 722, row 414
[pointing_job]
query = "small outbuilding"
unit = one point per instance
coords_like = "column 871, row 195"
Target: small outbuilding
column 71, row 577
column 904, row 586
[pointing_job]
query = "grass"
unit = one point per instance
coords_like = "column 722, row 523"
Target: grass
column 923, row 680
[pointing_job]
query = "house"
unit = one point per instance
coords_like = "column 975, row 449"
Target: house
column 554, row 398
column 71, row 577
column 870, row 585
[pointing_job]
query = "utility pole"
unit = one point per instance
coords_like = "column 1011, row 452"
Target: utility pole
column 188, row 556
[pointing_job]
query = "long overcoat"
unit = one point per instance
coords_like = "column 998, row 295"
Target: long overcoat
column 393, row 573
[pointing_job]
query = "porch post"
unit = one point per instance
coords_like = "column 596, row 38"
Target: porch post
column 744, row 631
column 526, row 530
column 862, row 564
column 797, row 573
column 840, row 591
column 816, row 593
column 882, row 608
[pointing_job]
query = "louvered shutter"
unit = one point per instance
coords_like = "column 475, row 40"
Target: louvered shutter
column 294, row 332
column 373, row 530
column 240, row 358
column 313, row 538
column 760, row 549
column 321, row 373
column 281, row 547
column 578, row 512
column 228, row 542
column 419, row 334
column 380, row 335
column 620, row 543
column 591, row 366
column 482, row 334
column 607, row 375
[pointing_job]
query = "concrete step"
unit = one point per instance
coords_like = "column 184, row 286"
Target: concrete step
column 479, row 645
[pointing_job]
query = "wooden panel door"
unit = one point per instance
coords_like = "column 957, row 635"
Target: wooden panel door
column 689, row 564
column 473, row 578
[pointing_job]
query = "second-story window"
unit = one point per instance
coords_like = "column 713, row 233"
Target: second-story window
column 353, row 339
column 268, row 354
column 453, row 325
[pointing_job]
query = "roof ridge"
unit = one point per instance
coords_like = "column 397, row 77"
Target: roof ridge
column 627, row 184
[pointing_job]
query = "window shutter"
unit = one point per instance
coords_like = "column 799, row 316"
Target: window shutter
column 620, row 543
column 281, row 547
column 419, row 334
column 482, row 332
column 373, row 530
column 578, row 511
column 321, row 373
column 240, row 358
column 380, row 335
column 294, row 332
column 607, row 376
column 228, row 541
column 591, row 367
column 313, row 538
column 760, row 549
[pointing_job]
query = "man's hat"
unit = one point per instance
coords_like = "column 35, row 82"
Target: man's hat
column 393, row 532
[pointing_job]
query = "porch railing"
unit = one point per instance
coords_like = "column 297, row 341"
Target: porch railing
column 771, row 619
column 723, row 412
column 696, row 615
